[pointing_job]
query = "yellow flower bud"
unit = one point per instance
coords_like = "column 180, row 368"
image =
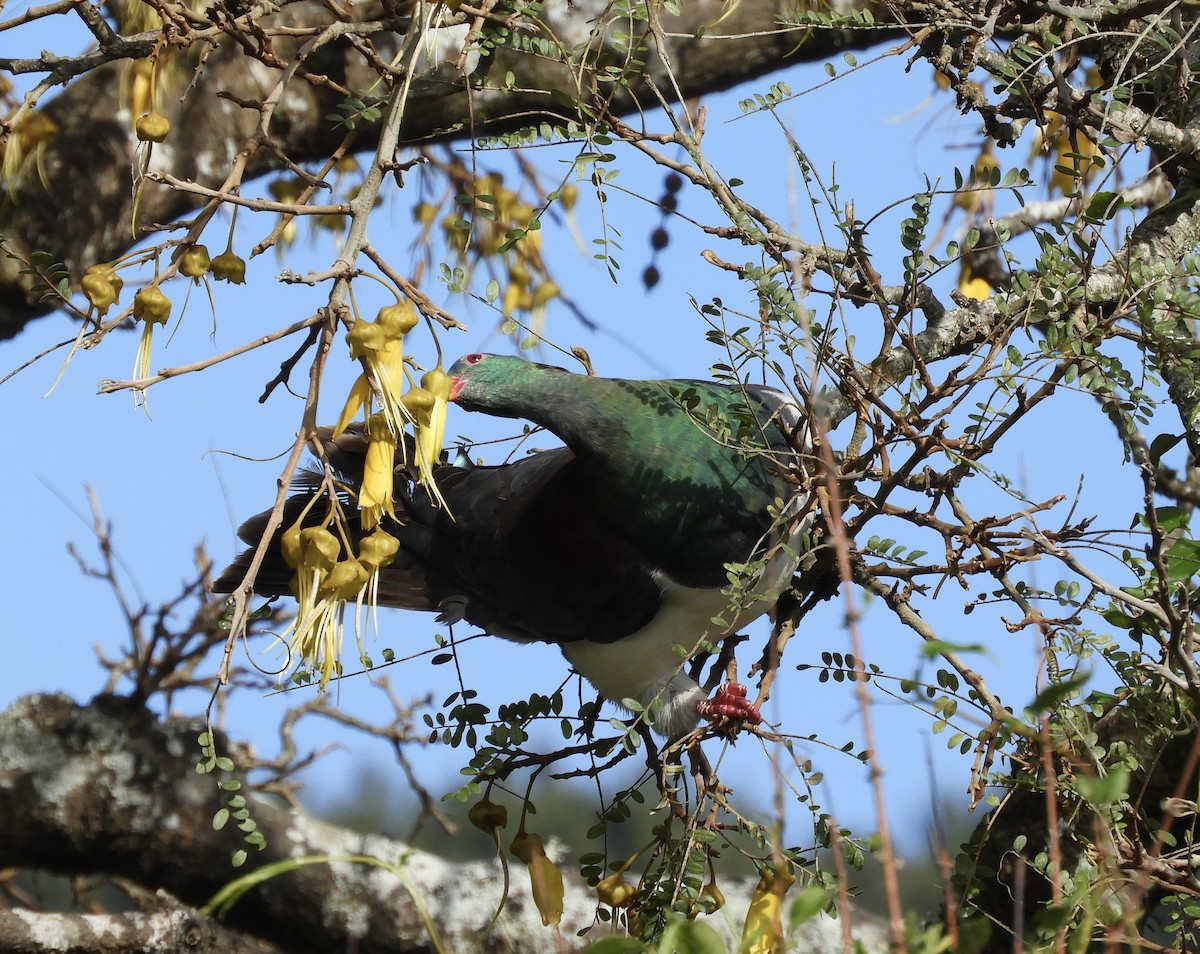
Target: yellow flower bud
column 98, row 290
column 194, row 262
column 398, row 319
column 615, row 891
column 437, row 382
column 151, row 306
column 152, row 127
column 545, row 879
column 711, row 898
column 527, row 846
column 487, row 816
column 286, row 190
column 544, row 292
column 290, row 546
column 416, row 401
column 228, row 267
column 345, row 581
column 365, row 337
column 568, row 195
column 378, row 550
column 763, row 930
column 424, row 213
column 319, row 548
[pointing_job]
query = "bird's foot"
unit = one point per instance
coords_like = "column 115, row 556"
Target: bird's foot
column 730, row 701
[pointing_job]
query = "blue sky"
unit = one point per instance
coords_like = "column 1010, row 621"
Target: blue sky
column 192, row 468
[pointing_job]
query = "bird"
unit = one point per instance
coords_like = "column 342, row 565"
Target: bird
column 619, row 547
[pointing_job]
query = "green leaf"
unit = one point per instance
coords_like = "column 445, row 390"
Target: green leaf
column 1105, row 790
column 808, row 903
column 618, row 945
column 1171, row 518
column 691, row 937
column 1183, row 560
column 1049, row 698
column 1161, row 444
column 1103, row 206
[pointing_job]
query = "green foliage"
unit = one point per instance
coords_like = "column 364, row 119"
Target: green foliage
column 236, row 808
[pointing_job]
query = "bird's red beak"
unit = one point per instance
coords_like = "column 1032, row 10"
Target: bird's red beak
column 456, row 385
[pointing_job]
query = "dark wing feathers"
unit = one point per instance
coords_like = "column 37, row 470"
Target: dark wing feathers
column 530, row 554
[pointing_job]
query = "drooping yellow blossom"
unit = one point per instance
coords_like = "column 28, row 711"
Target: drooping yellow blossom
column 711, row 898
column 972, row 285
column 344, row 582
column 545, row 879
column 151, row 307
column 229, row 267
column 195, row 263
column 763, row 931
column 1075, row 157
column 489, row 818
column 287, row 190
column 615, row 891
column 101, row 286
column 316, row 632
column 22, row 152
column 376, row 551
column 977, row 193
column 427, row 411
column 516, row 293
column 152, row 127
column 375, row 493
column 432, row 430
column 380, row 345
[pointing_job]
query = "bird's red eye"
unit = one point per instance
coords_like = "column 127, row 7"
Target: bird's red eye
column 473, row 358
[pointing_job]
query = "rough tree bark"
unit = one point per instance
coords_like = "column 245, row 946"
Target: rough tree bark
column 81, row 214
column 106, row 788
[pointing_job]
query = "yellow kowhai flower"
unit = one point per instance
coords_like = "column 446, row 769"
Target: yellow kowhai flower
column 432, row 431
column 763, row 931
column 324, row 582
column 1075, row 157
column 545, row 879
column 315, row 635
column 376, row 551
column 375, row 493
column 541, row 295
column 229, row 267
column 615, row 891
column 101, row 286
column 152, row 127
column 151, row 307
column 426, row 406
column 194, row 263
column 380, row 345
column 25, row 148
column 972, row 285
column 974, row 193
